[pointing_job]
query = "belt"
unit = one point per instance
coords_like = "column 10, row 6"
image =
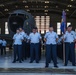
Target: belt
column 17, row 44
column 34, row 43
column 51, row 44
column 69, row 42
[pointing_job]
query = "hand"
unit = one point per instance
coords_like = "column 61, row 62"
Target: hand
column 57, row 39
column 75, row 40
column 63, row 39
column 45, row 40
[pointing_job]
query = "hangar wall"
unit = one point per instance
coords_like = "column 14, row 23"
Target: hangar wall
column 54, row 19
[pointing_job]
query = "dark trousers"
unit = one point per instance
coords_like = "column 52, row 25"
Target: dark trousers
column 3, row 49
column 40, row 51
column 70, row 50
column 51, row 51
column 27, row 50
column 17, row 52
column 23, row 53
column 34, row 48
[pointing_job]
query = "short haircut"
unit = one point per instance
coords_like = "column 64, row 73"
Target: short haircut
column 70, row 26
column 21, row 27
column 50, row 26
column 34, row 27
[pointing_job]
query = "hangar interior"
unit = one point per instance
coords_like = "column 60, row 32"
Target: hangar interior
column 45, row 13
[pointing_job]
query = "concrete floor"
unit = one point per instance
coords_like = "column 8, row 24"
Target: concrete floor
column 32, row 74
column 6, row 62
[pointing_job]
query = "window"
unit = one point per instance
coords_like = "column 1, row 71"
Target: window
column 58, row 28
column 42, row 23
column 6, row 28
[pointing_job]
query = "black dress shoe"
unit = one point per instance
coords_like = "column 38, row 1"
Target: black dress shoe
column 37, row 61
column 17, row 60
column 46, row 66
column 22, row 59
column 49, row 61
column 14, row 62
column 65, row 65
column 56, row 66
column 73, row 65
column 20, row 62
column 31, row 61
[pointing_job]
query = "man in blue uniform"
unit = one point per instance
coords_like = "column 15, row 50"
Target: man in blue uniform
column 34, row 38
column 69, row 38
column 17, row 45
column 51, row 38
column 4, row 43
column 39, row 44
column 24, row 35
column 1, row 45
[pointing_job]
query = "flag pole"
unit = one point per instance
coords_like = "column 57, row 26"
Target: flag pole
column 63, row 51
column 63, row 27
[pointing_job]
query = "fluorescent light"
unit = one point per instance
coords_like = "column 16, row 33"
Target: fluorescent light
column 26, row 6
column 1, row 5
column 72, row 0
column 67, row 9
column 46, row 1
column 6, row 9
column 69, row 5
column 46, row 6
column 45, row 10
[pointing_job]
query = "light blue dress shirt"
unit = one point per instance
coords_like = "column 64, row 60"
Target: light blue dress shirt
column 51, row 37
column 24, row 35
column 34, row 38
column 18, row 39
column 70, row 36
column 4, row 43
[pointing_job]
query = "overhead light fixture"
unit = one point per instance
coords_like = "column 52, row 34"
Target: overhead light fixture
column 69, row 5
column 45, row 6
column 26, row 6
column 6, row 9
column 46, row 1
column 67, row 9
column 56, row 6
column 24, row 1
column 45, row 10
column 72, row 0
column 28, row 10
column 1, row 5
column 45, row 13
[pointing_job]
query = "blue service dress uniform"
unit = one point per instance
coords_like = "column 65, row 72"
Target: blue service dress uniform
column 70, row 46
column 1, row 46
column 17, row 46
column 4, row 43
column 34, row 46
column 51, row 47
column 27, row 47
column 24, row 35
